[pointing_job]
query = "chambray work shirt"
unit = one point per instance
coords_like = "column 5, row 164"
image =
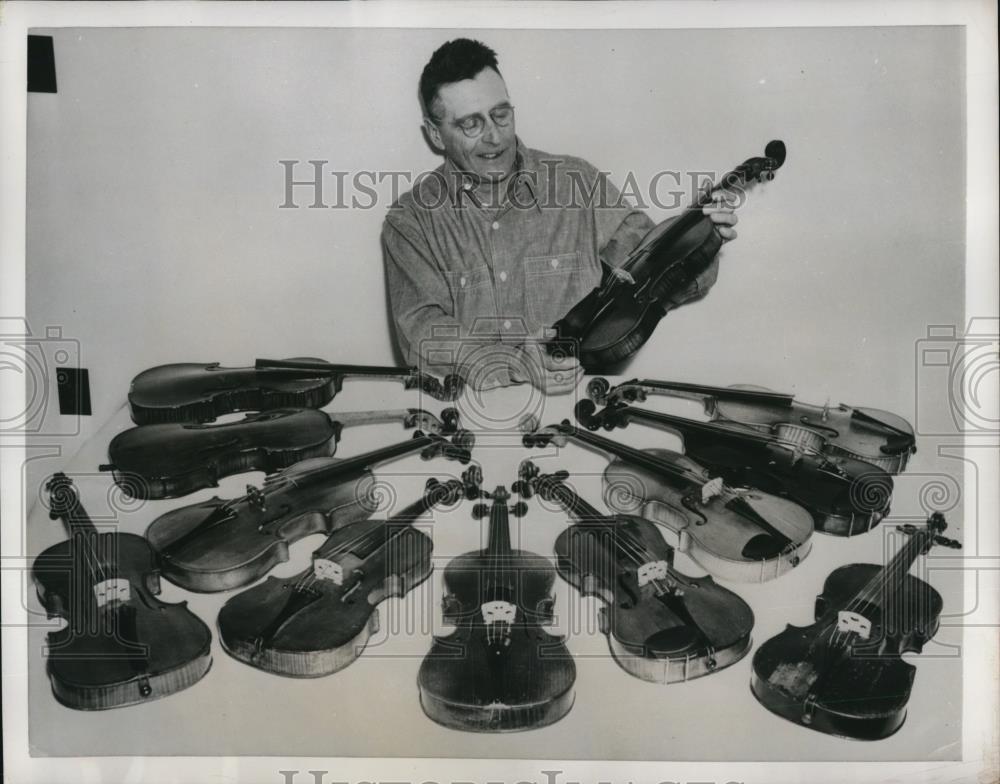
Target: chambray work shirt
column 468, row 283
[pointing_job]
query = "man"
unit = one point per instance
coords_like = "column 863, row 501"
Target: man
column 501, row 241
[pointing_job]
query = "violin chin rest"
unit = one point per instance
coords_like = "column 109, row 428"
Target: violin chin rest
column 673, row 641
column 761, row 547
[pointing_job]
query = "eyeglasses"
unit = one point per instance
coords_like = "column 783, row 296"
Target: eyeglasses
column 474, row 125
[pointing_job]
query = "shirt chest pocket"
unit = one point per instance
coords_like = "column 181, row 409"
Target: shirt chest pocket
column 472, row 295
column 554, row 284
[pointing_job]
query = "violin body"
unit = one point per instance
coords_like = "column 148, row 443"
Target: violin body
column 662, row 626
column 843, row 675
column 845, row 496
column 616, row 319
column 743, row 535
column 874, row 436
column 860, row 693
column 217, row 545
column 499, row 671
column 175, row 459
column 203, row 391
column 121, row 645
column 305, row 627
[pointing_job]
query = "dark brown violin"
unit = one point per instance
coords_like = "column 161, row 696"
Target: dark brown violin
column 615, row 319
column 662, row 626
column 499, row 671
column 844, row 495
column 121, row 645
column 174, row 459
column 878, row 437
column 200, row 392
column 221, row 544
column 739, row 534
column 843, row 675
column 320, row 620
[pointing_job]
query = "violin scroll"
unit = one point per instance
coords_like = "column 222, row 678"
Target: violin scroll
column 459, row 447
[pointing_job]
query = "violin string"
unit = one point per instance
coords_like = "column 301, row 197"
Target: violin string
column 900, row 563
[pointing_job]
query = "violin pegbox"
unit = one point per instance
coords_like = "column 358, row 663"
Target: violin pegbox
column 537, row 436
column 459, row 447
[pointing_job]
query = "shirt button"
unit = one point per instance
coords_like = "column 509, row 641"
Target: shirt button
column 495, row 225
column 506, row 325
column 503, row 276
column 554, row 263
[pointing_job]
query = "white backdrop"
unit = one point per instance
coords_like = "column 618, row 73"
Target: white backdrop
column 155, row 235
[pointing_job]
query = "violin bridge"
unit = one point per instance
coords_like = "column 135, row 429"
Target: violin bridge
column 498, row 612
column 653, row 570
column 710, row 489
column 114, row 590
column 853, row 622
column 325, row 569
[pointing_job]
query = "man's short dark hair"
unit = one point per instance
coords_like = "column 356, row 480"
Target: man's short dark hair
column 454, row 61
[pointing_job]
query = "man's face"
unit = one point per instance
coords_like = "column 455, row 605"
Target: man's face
column 490, row 155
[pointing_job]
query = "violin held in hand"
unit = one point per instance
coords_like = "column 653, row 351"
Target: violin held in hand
column 662, row 626
column 200, row 392
column 844, row 674
column 615, row 319
column 121, row 645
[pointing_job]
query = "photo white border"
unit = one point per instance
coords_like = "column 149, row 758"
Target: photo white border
column 980, row 728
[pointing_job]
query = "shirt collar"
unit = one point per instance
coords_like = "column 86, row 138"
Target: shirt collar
column 461, row 185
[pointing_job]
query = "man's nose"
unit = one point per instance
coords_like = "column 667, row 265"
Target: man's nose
column 491, row 135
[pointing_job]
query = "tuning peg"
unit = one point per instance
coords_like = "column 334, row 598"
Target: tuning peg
column 431, row 485
column 453, row 386
column 472, row 479
column 954, row 544
column 464, row 439
column 479, row 511
column 561, row 475
column 449, row 419
column 520, row 509
column 522, row 488
column 597, row 390
column 529, row 424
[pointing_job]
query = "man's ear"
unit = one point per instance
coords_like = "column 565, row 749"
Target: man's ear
column 434, row 134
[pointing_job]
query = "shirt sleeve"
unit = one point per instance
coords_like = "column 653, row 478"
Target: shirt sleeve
column 427, row 333
column 622, row 227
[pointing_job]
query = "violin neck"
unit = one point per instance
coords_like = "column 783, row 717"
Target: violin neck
column 635, row 456
column 890, row 580
column 328, row 368
column 703, row 392
column 359, row 463
column 685, row 427
column 499, row 533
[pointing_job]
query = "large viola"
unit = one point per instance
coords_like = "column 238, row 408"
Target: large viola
column 844, row 674
column 200, row 392
column 499, row 671
column 662, row 626
column 219, row 544
column 121, row 645
column 615, row 319
column 318, row 621
column 175, row 459
column 878, row 437
column 845, row 496
column 739, row 534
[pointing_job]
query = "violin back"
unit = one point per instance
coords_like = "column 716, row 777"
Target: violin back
column 201, row 392
column 170, row 460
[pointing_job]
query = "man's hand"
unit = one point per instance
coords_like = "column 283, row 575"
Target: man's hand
column 552, row 375
column 721, row 212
